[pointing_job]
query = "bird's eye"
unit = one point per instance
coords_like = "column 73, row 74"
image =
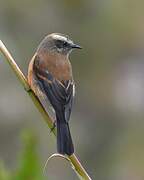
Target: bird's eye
column 65, row 43
column 61, row 44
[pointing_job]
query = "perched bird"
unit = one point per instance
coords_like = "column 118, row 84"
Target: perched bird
column 50, row 77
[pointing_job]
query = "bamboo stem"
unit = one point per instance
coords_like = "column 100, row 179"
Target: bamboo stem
column 76, row 165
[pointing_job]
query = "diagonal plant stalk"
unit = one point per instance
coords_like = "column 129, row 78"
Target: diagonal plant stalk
column 75, row 163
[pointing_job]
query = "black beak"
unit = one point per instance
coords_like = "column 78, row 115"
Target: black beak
column 76, row 46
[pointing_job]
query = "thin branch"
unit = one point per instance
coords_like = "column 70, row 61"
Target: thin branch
column 76, row 165
column 53, row 156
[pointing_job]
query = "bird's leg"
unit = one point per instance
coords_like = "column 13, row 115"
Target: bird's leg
column 53, row 127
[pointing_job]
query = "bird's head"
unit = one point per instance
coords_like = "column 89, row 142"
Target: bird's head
column 59, row 43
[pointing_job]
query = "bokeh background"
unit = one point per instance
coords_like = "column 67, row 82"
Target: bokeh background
column 107, row 122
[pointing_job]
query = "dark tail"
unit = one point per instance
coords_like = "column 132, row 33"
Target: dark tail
column 64, row 140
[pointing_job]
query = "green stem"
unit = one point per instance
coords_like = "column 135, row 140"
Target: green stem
column 80, row 171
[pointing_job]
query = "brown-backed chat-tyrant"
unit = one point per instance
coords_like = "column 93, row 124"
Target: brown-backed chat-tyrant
column 50, row 77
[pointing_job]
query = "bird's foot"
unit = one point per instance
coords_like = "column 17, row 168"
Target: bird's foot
column 53, row 127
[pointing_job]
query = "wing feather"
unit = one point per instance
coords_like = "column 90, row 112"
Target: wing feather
column 59, row 94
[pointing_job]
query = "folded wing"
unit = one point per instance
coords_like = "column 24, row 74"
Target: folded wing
column 59, row 94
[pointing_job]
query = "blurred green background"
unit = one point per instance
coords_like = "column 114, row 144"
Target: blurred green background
column 107, row 122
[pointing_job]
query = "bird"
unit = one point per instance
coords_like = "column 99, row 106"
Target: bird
column 50, row 77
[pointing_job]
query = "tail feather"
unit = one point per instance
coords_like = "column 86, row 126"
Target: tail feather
column 64, row 140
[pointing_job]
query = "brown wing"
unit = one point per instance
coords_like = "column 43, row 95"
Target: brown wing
column 59, row 94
